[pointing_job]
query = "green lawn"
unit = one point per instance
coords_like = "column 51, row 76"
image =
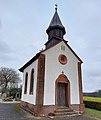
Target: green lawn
column 93, row 113
column 94, row 99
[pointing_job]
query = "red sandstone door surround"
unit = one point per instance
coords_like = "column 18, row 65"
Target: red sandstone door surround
column 62, row 91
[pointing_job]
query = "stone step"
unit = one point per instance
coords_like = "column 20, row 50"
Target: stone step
column 64, row 110
column 65, row 113
column 62, row 107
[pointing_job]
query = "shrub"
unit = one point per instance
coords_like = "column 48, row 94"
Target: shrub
column 93, row 105
column 8, row 99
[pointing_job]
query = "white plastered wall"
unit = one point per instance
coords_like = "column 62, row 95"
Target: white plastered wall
column 27, row 97
column 53, row 69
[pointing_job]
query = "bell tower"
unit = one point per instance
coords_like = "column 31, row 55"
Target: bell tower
column 55, row 31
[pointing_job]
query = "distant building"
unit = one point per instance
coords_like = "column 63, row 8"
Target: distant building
column 53, row 77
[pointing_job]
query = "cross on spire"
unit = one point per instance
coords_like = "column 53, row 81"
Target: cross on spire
column 56, row 7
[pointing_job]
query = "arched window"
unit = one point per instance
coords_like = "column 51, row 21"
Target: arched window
column 31, row 82
column 26, row 80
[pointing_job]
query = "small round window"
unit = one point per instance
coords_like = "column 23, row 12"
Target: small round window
column 62, row 59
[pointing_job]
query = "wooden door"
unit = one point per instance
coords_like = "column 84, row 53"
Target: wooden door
column 62, row 94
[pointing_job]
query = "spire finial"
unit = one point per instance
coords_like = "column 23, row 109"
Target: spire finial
column 56, row 7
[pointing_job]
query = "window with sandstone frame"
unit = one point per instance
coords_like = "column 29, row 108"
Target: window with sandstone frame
column 31, row 82
column 26, row 81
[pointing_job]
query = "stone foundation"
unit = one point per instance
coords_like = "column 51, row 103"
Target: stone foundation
column 78, row 107
column 38, row 110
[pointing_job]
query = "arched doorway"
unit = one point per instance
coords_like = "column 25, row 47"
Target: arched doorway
column 62, row 91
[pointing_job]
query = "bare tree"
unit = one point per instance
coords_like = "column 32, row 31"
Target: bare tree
column 8, row 77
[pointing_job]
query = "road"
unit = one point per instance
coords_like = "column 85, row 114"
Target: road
column 8, row 112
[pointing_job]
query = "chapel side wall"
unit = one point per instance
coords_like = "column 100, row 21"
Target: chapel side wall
column 23, row 82
column 28, row 97
column 53, row 69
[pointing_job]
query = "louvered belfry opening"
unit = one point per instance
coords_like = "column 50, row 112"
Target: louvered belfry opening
column 55, row 31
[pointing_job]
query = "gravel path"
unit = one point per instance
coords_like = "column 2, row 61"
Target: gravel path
column 8, row 112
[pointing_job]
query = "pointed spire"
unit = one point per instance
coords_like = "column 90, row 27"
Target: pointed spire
column 56, row 22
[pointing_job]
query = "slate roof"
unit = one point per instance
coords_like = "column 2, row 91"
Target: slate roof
column 30, row 62
column 56, row 22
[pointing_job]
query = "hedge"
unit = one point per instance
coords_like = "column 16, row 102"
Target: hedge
column 93, row 105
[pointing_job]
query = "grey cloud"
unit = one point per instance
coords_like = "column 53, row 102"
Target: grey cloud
column 5, row 58
column 4, row 47
column 5, row 52
column 92, row 77
column 94, row 73
column 0, row 23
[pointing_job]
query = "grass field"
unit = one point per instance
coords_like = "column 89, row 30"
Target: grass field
column 93, row 113
column 94, row 99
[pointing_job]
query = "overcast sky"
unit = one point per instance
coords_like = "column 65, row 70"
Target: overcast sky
column 23, row 25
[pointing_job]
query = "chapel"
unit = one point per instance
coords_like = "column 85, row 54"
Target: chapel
column 52, row 79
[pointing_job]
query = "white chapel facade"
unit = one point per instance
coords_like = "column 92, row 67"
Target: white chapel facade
column 53, row 77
